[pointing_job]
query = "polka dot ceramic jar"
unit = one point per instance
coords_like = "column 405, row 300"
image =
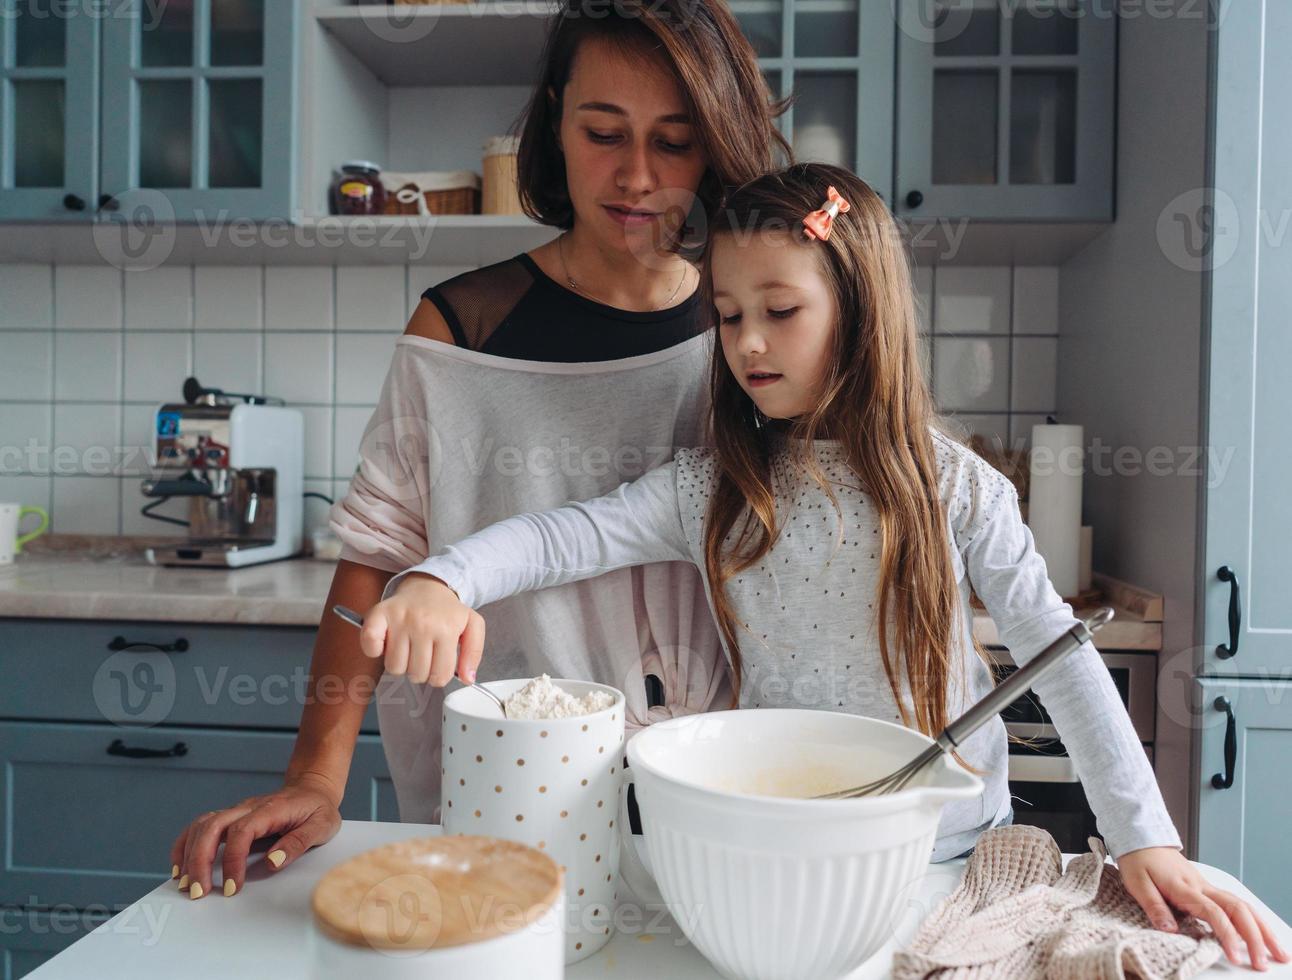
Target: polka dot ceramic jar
column 552, row 784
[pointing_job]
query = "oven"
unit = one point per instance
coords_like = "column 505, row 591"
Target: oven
column 1043, row 783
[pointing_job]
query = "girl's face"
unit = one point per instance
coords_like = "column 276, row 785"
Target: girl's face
column 777, row 319
column 629, row 144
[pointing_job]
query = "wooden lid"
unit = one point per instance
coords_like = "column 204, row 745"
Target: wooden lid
column 432, row 892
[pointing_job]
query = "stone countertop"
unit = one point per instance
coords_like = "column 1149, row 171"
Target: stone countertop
column 126, row 587
column 118, row 584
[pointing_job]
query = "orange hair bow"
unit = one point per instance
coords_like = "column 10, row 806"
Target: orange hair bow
column 820, row 222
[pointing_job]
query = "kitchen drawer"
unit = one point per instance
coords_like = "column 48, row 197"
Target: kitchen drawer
column 29, row 937
column 87, row 827
column 143, row 674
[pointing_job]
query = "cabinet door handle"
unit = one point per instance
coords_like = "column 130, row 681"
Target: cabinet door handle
column 108, row 203
column 914, row 199
column 120, row 748
column 73, row 202
column 121, row 643
column 1231, row 745
column 1226, row 574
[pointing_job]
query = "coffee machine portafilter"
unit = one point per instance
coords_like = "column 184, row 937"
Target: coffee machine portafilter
column 239, row 461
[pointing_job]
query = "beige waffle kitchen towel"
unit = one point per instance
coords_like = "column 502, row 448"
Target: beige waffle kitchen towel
column 1018, row 914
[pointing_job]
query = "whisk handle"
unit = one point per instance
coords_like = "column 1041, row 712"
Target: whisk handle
column 1013, row 687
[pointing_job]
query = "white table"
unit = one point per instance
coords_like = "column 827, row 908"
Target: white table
column 261, row 932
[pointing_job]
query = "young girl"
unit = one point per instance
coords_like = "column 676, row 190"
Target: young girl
column 838, row 531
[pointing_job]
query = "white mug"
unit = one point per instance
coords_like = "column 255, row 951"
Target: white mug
column 552, row 784
column 11, row 516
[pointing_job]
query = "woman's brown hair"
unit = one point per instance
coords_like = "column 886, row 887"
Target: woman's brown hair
column 727, row 97
column 875, row 400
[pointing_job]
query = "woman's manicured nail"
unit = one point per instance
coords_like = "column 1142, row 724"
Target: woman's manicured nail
column 230, row 886
column 277, row 857
column 471, row 676
column 174, row 870
column 196, row 890
column 183, row 884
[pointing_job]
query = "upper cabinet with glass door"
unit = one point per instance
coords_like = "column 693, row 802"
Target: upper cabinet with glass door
column 49, row 95
column 1006, row 109
column 836, row 57
column 199, row 107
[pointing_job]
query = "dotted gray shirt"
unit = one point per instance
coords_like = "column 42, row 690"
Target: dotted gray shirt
column 808, row 624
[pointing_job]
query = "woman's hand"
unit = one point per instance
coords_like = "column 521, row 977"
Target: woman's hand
column 303, row 814
column 419, row 628
column 1160, row 878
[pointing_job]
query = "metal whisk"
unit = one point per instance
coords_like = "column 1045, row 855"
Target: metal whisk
column 1003, row 694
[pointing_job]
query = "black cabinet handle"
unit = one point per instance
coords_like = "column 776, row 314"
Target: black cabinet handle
column 108, row 203
column 914, row 199
column 73, row 202
column 1231, row 745
column 121, row 643
column 120, row 748
column 1226, row 574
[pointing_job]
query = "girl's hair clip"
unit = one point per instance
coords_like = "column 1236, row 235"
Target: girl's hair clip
column 820, row 222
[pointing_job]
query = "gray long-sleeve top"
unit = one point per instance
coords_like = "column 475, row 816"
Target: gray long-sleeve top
column 808, row 624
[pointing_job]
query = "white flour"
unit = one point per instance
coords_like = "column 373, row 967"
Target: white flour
column 540, row 698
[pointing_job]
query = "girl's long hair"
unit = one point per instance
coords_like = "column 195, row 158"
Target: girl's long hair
column 875, row 400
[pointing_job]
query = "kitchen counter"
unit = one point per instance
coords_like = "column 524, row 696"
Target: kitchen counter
column 292, row 593
column 262, row 931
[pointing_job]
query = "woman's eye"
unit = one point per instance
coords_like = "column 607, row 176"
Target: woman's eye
column 613, row 137
column 783, row 314
column 675, row 147
column 729, row 319
column 601, row 137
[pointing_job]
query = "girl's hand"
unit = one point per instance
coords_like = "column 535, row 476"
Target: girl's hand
column 419, row 629
column 1161, row 877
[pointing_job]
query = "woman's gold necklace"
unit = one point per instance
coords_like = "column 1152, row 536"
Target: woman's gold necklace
column 574, row 285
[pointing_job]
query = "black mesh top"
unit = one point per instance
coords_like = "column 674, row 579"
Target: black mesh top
column 515, row 309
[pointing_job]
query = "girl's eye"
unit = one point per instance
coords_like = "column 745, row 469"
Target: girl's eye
column 601, row 137
column 783, row 314
column 729, row 319
column 675, row 147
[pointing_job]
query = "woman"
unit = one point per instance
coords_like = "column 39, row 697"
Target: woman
column 592, row 349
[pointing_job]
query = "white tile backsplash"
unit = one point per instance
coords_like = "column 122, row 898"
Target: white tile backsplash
column 1036, row 300
column 85, row 504
column 86, row 439
column 371, row 297
column 157, row 364
column 298, row 298
column 322, row 338
column 227, row 297
column 30, row 491
column 971, row 374
column 362, row 360
column 27, row 365
column 28, row 292
column 993, row 427
column 298, row 367
column 87, row 297
column 1034, row 374
column 88, row 365
column 229, row 361
column 971, row 300
column 160, row 298
column 26, row 437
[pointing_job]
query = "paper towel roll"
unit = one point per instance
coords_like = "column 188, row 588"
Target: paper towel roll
column 1054, row 502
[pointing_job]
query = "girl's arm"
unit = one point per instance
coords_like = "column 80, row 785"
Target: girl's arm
column 420, row 624
column 1010, row 577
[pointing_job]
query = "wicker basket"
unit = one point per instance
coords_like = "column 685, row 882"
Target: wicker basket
column 444, row 192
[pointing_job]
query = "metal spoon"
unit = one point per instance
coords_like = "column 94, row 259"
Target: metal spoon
column 1000, row 697
column 354, row 619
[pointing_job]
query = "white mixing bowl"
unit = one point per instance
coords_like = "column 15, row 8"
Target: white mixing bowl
column 766, row 885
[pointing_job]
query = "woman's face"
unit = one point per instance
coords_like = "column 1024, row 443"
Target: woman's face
column 777, row 319
column 629, row 143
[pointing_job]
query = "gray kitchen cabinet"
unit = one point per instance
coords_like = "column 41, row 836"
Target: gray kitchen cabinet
column 1006, row 111
column 1244, row 795
column 1246, row 618
column 153, row 114
column 49, row 95
column 837, row 58
column 116, row 734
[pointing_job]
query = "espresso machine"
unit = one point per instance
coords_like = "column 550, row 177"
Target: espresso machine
column 239, row 460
